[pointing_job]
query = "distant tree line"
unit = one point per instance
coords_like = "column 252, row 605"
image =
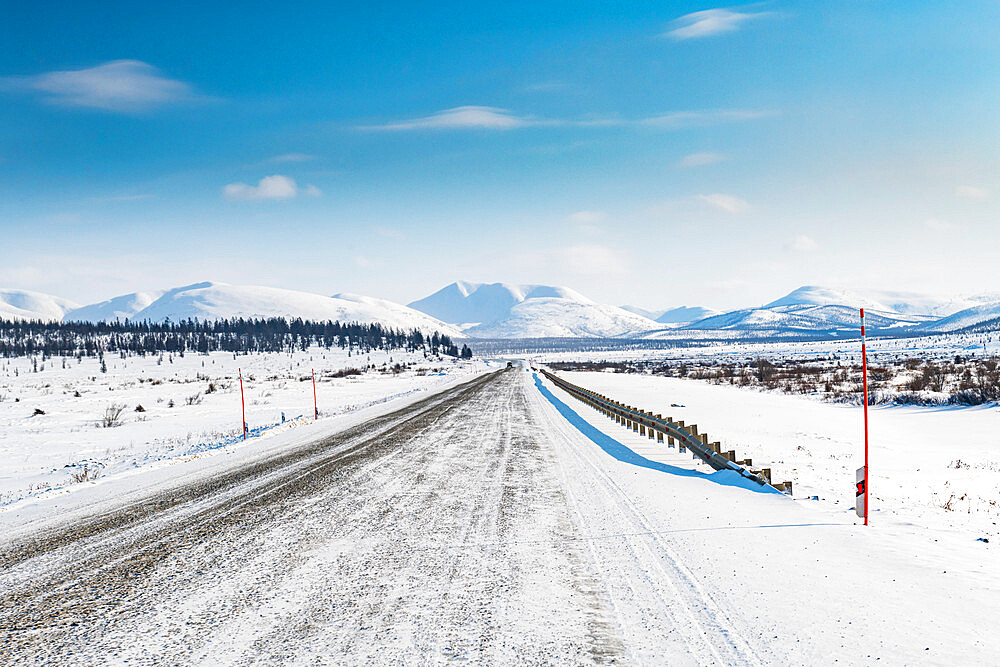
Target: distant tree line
column 237, row 335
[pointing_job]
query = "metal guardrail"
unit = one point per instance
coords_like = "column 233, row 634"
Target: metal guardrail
column 686, row 436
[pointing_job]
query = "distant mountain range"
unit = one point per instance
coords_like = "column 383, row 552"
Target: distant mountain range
column 679, row 315
column 500, row 310
column 209, row 301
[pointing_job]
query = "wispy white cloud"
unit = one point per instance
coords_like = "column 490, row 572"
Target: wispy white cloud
column 492, row 118
column 467, row 117
column 701, row 159
column 292, row 157
column 548, row 86
column 389, row 233
column 938, row 225
column 727, row 203
column 803, row 243
column 587, row 217
column 682, row 119
column 583, row 259
column 312, row 191
column 118, row 85
column 114, row 198
column 589, row 259
column 709, row 22
column 269, row 187
column 971, row 192
column 64, row 218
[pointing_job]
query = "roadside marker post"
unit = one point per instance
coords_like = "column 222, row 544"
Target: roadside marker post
column 243, row 403
column 861, row 494
column 315, row 404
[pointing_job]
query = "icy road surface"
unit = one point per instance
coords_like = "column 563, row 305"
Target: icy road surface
column 484, row 523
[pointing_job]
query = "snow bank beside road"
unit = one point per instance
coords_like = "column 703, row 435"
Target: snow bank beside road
column 938, row 468
column 764, row 579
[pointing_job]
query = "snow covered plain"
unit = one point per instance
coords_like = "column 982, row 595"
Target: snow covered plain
column 789, row 582
column 937, row 468
column 934, row 471
column 498, row 521
column 183, row 417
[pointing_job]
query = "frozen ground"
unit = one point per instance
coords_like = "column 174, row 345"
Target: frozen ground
column 485, row 523
column 191, row 407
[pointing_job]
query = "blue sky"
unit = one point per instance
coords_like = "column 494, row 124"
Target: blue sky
column 660, row 154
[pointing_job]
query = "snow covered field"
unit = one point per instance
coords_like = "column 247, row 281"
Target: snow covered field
column 934, row 470
column 190, row 407
column 784, row 581
column 880, row 350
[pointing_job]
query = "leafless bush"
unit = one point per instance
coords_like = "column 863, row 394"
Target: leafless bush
column 345, row 372
column 193, row 400
column 86, row 475
column 113, row 415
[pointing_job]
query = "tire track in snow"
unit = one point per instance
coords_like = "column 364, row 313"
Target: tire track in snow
column 715, row 638
column 375, row 552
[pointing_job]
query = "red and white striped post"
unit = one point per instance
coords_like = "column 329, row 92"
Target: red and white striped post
column 244, row 404
column 861, row 493
column 315, row 404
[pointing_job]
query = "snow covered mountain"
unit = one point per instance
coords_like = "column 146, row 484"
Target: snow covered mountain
column 17, row 304
column 210, row 300
column 679, row 315
column 820, row 311
column 648, row 314
column 804, row 319
column 964, row 318
column 685, row 314
column 119, row 308
column 498, row 310
column 903, row 303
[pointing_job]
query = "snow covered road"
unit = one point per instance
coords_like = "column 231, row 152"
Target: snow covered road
column 428, row 534
column 482, row 523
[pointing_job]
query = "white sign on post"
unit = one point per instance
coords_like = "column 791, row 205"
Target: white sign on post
column 859, row 493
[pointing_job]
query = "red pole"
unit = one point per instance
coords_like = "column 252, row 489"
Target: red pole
column 864, row 384
column 315, row 405
column 244, row 404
